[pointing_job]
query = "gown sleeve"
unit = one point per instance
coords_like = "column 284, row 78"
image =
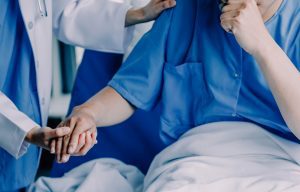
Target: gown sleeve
column 139, row 80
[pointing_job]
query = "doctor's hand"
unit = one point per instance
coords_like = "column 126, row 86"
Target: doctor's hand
column 43, row 136
column 244, row 19
column 82, row 138
column 148, row 13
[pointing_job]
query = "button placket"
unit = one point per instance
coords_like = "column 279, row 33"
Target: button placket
column 237, row 74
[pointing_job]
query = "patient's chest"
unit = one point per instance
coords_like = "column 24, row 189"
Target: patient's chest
column 218, row 80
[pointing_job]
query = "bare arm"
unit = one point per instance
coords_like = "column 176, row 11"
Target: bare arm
column 107, row 108
column 284, row 80
column 246, row 23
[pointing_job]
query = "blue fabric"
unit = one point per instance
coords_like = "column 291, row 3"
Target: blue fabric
column 135, row 141
column 18, row 82
column 199, row 72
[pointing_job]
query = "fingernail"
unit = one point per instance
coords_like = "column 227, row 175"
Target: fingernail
column 52, row 151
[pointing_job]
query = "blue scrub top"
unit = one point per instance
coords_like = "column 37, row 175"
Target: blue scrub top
column 17, row 82
column 199, row 72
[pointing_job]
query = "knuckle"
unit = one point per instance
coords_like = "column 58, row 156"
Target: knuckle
column 73, row 119
column 237, row 20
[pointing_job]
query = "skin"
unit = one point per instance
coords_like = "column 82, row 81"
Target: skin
column 245, row 20
column 148, row 13
column 82, row 142
column 43, row 136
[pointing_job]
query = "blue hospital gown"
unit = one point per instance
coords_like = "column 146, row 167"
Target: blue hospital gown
column 200, row 74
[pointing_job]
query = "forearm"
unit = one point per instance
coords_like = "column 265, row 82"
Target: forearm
column 107, row 108
column 134, row 16
column 284, row 80
column 149, row 12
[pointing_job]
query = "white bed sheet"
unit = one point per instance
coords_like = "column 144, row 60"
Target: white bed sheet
column 224, row 156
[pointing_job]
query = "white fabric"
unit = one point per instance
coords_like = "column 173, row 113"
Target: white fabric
column 13, row 127
column 224, row 156
column 93, row 24
column 139, row 30
column 14, row 124
column 97, row 24
column 227, row 157
column 103, row 175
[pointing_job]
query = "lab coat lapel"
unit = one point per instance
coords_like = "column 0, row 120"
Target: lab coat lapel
column 39, row 30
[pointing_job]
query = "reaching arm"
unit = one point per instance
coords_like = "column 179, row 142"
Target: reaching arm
column 100, row 24
column 138, row 82
column 284, row 80
column 106, row 108
column 149, row 12
column 18, row 130
column 14, row 125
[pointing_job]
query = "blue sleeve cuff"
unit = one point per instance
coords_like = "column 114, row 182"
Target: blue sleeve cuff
column 128, row 96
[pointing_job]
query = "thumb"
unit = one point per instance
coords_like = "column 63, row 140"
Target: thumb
column 58, row 132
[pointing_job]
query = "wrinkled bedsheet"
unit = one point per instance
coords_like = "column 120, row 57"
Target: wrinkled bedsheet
column 224, row 156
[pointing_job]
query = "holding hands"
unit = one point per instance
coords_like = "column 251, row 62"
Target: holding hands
column 75, row 136
column 82, row 137
column 149, row 12
column 82, row 123
column 43, row 136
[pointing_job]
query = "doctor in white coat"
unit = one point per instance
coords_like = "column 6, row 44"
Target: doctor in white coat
column 25, row 80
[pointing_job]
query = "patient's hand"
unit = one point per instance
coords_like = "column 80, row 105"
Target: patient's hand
column 244, row 20
column 80, row 141
column 148, row 13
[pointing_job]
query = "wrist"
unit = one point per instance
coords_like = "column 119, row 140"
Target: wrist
column 86, row 110
column 134, row 16
column 29, row 135
column 264, row 47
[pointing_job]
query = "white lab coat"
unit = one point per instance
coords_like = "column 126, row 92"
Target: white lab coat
column 97, row 24
column 72, row 23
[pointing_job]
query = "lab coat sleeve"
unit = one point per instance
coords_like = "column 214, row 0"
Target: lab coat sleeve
column 14, row 125
column 139, row 80
column 93, row 24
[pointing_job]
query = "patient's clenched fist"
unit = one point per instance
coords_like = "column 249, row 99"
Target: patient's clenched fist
column 244, row 19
